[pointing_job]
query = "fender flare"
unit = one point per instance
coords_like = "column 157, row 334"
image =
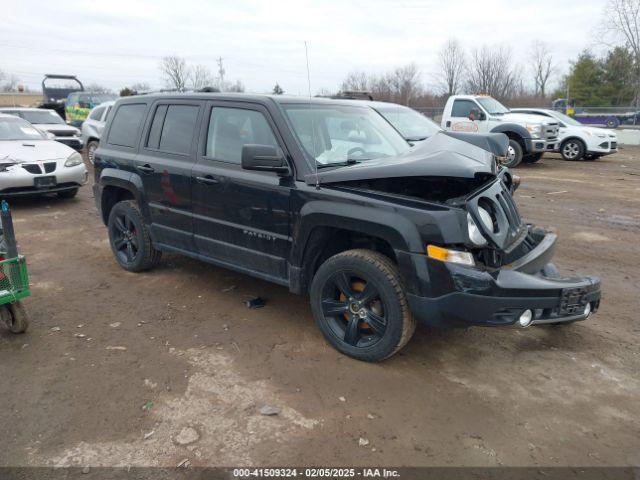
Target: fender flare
column 518, row 130
column 394, row 229
column 113, row 177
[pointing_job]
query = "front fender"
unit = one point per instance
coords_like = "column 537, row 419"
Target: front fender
column 518, row 130
column 396, row 230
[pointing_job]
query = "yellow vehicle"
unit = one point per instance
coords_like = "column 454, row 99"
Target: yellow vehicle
column 79, row 104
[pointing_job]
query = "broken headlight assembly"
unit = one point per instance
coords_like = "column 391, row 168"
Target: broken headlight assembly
column 451, row 256
column 475, row 235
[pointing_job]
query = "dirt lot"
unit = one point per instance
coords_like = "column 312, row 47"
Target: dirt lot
column 154, row 368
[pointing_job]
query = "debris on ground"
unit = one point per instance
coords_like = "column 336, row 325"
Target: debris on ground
column 115, row 347
column 363, row 442
column 115, row 324
column 184, row 463
column 187, row 436
column 255, row 302
column 229, row 289
column 370, row 417
column 148, row 435
column 269, row 410
column 342, row 399
column 557, row 193
column 148, row 405
column 55, row 329
column 79, row 335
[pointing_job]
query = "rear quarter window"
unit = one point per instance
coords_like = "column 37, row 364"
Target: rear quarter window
column 126, row 125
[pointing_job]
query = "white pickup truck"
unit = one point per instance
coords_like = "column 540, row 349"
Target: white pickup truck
column 529, row 135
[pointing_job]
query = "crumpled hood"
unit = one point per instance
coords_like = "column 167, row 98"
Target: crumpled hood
column 20, row 151
column 440, row 155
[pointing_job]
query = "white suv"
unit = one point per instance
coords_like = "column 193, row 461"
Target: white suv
column 578, row 141
column 92, row 127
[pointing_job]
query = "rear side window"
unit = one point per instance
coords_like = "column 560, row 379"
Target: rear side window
column 462, row 108
column 172, row 128
column 232, row 128
column 96, row 113
column 126, row 125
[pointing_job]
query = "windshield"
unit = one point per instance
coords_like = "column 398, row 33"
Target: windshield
column 42, row 116
column 338, row 134
column 492, row 106
column 18, row 129
column 412, row 125
column 567, row 119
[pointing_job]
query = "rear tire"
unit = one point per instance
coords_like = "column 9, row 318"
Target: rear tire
column 533, row 158
column 359, row 304
column 572, row 149
column 514, row 154
column 130, row 238
column 68, row 193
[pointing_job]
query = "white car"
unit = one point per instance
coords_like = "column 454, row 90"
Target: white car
column 92, row 127
column 50, row 122
column 32, row 164
column 578, row 141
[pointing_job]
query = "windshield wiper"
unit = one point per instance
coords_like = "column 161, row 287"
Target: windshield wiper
column 347, row 162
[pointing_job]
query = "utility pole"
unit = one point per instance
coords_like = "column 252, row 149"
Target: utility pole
column 221, row 73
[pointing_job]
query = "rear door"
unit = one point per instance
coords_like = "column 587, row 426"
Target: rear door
column 241, row 217
column 164, row 164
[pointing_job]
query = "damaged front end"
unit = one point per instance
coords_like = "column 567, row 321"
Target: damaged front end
column 481, row 264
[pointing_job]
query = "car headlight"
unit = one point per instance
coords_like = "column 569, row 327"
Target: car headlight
column 74, row 159
column 474, row 232
column 534, row 130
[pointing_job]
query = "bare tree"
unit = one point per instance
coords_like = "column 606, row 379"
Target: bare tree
column 356, row 81
column 237, row 86
column 452, row 61
column 491, row 71
column 175, row 72
column 542, row 67
column 10, row 83
column 622, row 23
column 221, row 74
column 406, row 83
column 201, row 77
column 140, row 87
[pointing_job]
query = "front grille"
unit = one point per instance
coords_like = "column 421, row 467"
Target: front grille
column 551, row 131
column 614, row 145
column 32, row 168
column 49, row 167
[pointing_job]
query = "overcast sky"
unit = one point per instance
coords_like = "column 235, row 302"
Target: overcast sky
column 119, row 42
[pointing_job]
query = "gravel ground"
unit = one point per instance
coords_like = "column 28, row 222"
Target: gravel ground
column 154, row 368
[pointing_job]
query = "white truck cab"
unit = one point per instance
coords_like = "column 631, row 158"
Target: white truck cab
column 577, row 141
column 529, row 135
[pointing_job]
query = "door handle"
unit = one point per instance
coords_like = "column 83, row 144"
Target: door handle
column 146, row 168
column 208, row 179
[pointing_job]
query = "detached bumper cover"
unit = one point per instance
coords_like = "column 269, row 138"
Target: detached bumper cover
column 458, row 296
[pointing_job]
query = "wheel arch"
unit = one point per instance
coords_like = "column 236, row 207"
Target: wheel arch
column 117, row 185
column 515, row 132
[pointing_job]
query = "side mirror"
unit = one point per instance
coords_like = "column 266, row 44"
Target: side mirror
column 264, row 158
column 476, row 114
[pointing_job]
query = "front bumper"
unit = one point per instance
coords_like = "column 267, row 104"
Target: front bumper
column 451, row 295
column 17, row 181
column 542, row 145
column 603, row 146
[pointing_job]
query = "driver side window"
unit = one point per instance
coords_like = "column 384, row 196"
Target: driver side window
column 462, row 108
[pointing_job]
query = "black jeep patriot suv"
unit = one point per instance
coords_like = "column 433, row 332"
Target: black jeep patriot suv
column 325, row 197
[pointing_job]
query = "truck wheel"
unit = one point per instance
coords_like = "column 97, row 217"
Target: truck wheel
column 572, row 149
column 514, row 154
column 533, row 158
column 14, row 317
column 130, row 239
column 360, row 306
column 91, row 150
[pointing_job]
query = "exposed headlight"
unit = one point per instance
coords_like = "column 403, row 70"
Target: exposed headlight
column 452, row 256
column 474, row 232
column 74, row 159
column 534, row 130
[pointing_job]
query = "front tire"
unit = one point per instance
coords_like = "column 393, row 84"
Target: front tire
column 514, row 154
column 359, row 304
column 130, row 238
column 572, row 149
column 533, row 158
